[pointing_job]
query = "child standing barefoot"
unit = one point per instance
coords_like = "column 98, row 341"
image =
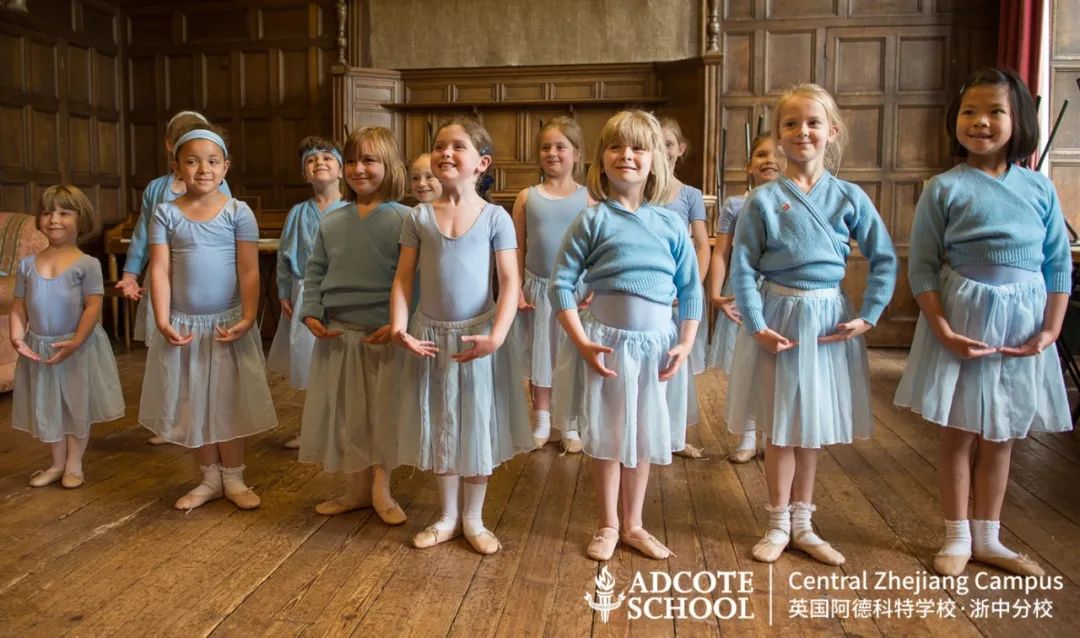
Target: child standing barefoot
column 205, row 385
column 462, row 409
column 66, row 377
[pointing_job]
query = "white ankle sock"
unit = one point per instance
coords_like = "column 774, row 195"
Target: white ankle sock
column 801, row 527
column 543, row 424
column 748, row 440
column 232, row 479
column 472, row 517
column 571, row 435
column 957, row 539
column 209, row 488
column 449, row 488
column 984, row 538
column 779, row 521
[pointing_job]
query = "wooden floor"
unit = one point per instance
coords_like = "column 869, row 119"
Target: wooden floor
column 114, row 558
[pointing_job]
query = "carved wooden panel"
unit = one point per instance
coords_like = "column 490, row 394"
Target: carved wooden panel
column 1064, row 157
column 59, row 104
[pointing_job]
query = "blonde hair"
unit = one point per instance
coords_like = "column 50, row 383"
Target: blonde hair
column 70, row 197
column 380, row 144
column 636, row 128
column 182, row 122
column 571, row 130
column 834, row 151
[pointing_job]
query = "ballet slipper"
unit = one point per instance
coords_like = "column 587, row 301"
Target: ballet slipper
column 392, row 514
column 647, row 545
column 602, row 546
column 571, row 446
column 539, row 442
column 742, row 455
column 41, row 478
column 769, row 548
column 432, row 536
column 292, row 444
column 339, row 505
column 946, row 565
column 157, row 439
column 196, row 498
column 821, row 552
column 71, row 480
column 244, row 499
column 691, row 452
column 1021, row 565
column 484, row 543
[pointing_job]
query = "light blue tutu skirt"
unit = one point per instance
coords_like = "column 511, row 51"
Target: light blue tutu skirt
column 722, row 346
column 458, row 418
column 997, row 397
column 538, row 331
column 144, row 314
column 633, row 417
column 809, row 396
column 290, row 352
column 349, row 422
column 207, row 391
column 52, row 401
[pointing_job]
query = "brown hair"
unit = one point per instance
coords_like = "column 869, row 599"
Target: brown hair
column 70, row 197
column 181, row 123
column 571, row 130
column 480, row 139
column 380, row 144
column 638, row 128
column 672, row 125
column 834, row 151
column 195, row 126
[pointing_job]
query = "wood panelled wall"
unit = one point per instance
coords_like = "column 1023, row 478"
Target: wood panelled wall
column 259, row 68
column 893, row 68
column 1065, row 70
column 62, row 107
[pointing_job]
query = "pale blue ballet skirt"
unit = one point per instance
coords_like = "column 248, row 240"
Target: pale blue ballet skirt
column 206, row 391
column 158, row 191
column 722, row 344
column 457, row 418
column 690, row 205
column 620, row 418
column 54, row 401
column 812, row 395
column 998, row 397
column 290, row 351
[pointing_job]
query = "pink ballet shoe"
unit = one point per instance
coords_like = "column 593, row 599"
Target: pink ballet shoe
column 769, row 548
column 72, row 480
column 602, row 546
column 484, row 543
column 41, row 478
column 647, row 545
column 432, row 536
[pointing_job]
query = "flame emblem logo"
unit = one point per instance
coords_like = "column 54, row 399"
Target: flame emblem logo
column 604, row 601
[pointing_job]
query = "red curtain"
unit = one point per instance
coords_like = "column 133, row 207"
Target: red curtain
column 1020, row 37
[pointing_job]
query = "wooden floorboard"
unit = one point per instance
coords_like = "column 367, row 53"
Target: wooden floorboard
column 114, row 557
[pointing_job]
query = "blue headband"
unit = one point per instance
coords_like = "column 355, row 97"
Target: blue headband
column 332, row 151
column 200, row 134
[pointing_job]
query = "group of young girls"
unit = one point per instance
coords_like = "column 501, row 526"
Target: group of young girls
column 391, row 321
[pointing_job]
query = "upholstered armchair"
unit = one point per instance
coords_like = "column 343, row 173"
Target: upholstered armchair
column 19, row 237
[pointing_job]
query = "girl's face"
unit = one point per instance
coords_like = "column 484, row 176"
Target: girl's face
column 764, row 163
column 201, row 164
column 322, row 168
column 454, row 157
column 805, row 130
column 60, row 226
column 557, row 154
column 672, row 147
column 984, row 123
column 364, row 174
column 424, row 186
column 627, row 166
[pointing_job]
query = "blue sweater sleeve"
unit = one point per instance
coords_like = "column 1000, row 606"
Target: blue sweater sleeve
column 311, row 305
column 137, row 253
column 570, row 263
column 926, row 252
column 746, row 250
column 287, row 251
column 687, row 286
column 1057, row 258
column 876, row 245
